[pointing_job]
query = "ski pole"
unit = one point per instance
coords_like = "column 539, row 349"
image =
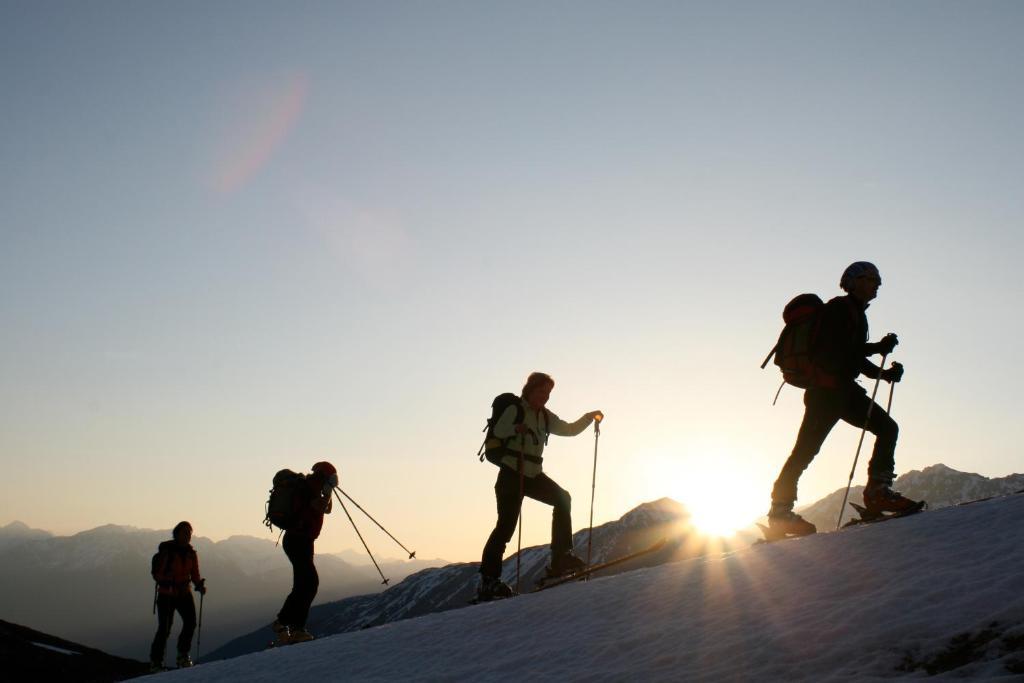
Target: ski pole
column 199, row 635
column 593, row 484
column 519, row 544
column 860, row 442
column 385, row 579
column 892, row 388
column 412, row 553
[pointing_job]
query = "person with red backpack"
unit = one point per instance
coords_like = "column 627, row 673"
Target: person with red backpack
column 516, row 435
column 174, row 567
column 310, row 501
column 837, row 353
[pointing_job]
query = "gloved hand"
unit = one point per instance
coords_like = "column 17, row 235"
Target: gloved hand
column 887, row 344
column 596, row 415
column 201, row 587
column 330, row 484
column 893, row 373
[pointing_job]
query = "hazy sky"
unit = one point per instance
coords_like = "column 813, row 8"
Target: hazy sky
column 236, row 237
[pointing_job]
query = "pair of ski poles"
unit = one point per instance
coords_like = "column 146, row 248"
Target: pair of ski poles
column 412, row 553
column 593, row 485
column 860, row 442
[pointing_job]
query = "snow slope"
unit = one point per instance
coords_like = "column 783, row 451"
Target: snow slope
column 941, row 591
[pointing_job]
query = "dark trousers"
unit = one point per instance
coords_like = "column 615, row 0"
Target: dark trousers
column 166, row 605
column 305, row 580
column 823, row 408
column 540, row 488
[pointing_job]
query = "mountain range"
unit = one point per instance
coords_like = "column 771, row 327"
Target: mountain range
column 94, row 587
column 940, row 486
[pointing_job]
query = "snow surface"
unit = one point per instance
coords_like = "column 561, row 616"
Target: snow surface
column 875, row 602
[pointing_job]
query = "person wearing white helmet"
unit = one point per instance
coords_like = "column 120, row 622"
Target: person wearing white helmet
column 840, row 356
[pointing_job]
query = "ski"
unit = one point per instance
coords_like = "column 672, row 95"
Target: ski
column 545, row 583
column 771, row 536
column 478, row 601
column 867, row 518
column 982, row 500
column 275, row 643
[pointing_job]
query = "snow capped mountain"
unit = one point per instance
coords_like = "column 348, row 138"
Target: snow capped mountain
column 939, row 485
column 937, row 593
column 453, row 586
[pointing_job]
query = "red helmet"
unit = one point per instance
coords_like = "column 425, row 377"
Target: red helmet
column 324, row 468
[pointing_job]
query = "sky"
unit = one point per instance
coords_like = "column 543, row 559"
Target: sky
column 240, row 238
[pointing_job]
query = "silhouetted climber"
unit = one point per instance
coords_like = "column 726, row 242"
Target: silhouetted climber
column 517, row 434
column 838, row 354
column 175, row 566
column 310, row 501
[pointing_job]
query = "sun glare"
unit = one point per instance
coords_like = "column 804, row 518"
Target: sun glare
column 720, row 502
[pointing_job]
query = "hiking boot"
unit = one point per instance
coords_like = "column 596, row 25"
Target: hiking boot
column 784, row 522
column 879, row 498
column 493, row 588
column 184, row 661
column 282, row 633
column 566, row 563
column 299, row 635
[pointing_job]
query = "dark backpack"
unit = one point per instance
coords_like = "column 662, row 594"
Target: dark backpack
column 794, row 352
column 159, row 565
column 281, row 505
column 493, row 448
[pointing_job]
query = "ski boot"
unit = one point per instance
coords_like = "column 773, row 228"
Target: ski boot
column 565, row 564
column 880, row 499
column 184, row 661
column 156, row 667
column 299, row 635
column 784, row 523
column 493, row 588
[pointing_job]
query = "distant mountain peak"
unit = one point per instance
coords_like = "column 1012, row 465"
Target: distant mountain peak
column 654, row 512
column 939, row 485
column 19, row 530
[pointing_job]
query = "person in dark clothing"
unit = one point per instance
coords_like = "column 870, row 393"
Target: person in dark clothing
column 312, row 502
column 840, row 355
column 175, row 566
column 519, row 447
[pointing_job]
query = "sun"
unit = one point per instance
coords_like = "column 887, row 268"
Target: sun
column 713, row 517
column 721, row 501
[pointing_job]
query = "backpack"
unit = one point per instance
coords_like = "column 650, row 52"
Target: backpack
column 493, row 448
column 281, row 504
column 158, row 566
column 794, row 351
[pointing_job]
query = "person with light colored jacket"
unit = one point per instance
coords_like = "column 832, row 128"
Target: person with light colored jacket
column 523, row 430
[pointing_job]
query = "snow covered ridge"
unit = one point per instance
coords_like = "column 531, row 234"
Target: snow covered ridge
column 934, row 593
column 30, row 655
column 453, row 586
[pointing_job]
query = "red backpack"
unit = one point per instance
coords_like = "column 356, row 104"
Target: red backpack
column 794, row 352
